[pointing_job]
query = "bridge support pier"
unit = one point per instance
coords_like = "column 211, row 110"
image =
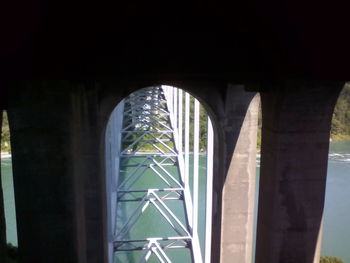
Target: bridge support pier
column 240, row 126
column 42, row 172
column 295, row 141
column 57, row 162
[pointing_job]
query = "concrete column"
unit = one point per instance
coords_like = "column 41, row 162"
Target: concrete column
column 2, row 212
column 295, row 141
column 58, row 163
column 39, row 115
column 88, row 161
column 240, row 128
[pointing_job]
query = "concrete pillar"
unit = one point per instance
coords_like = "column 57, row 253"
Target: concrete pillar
column 39, row 120
column 2, row 212
column 88, row 160
column 295, row 141
column 240, row 128
column 58, row 162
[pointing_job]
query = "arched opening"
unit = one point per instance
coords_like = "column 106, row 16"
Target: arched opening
column 336, row 231
column 7, row 193
column 159, row 147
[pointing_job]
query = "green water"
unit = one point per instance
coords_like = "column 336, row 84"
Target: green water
column 152, row 223
column 336, row 224
column 9, row 200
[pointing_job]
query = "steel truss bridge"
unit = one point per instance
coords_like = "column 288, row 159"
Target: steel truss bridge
column 153, row 179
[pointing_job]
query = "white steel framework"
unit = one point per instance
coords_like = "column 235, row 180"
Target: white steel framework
column 153, row 206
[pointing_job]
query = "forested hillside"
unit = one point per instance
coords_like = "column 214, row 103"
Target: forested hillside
column 341, row 116
column 5, row 134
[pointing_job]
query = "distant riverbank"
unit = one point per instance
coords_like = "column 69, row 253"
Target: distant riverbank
column 5, row 154
column 340, row 138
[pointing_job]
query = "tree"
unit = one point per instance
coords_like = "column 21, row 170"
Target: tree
column 5, row 134
column 341, row 116
column 327, row 259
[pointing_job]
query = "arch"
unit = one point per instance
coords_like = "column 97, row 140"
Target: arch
column 115, row 123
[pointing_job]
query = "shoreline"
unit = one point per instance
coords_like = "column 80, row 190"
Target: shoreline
column 344, row 139
column 340, row 138
column 5, row 155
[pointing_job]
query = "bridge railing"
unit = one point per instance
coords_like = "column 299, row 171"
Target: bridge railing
column 180, row 104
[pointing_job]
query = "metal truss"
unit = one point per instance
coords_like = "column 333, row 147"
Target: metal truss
column 152, row 182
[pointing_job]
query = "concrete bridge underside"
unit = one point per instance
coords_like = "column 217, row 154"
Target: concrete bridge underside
column 67, row 64
column 58, row 129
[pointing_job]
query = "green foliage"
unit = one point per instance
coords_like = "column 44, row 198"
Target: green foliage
column 340, row 129
column 5, row 134
column 203, row 125
column 341, row 117
column 327, row 259
column 259, row 129
column 203, row 128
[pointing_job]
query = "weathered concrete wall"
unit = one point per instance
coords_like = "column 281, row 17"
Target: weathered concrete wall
column 88, row 174
column 58, row 162
column 239, row 189
column 39, row 117
column 295, row 141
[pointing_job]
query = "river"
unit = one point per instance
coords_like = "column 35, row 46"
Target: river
column 336, row 233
